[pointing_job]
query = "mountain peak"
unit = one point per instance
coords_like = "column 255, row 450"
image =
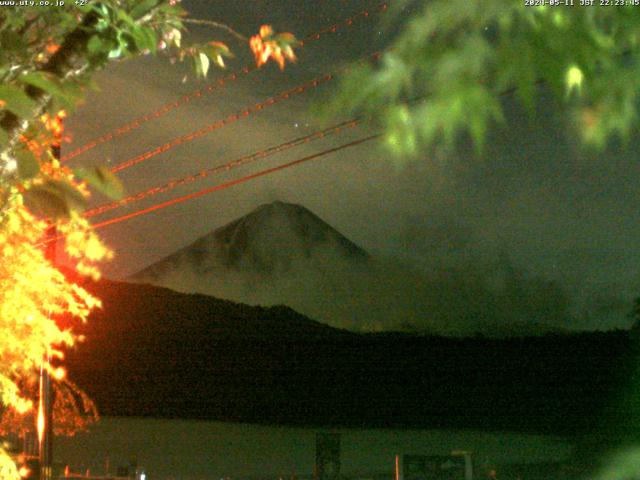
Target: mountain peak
column 274, row 234
column 266, row 240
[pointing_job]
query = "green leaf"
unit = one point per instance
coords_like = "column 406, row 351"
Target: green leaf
column 46, row 203
column 17, row 101
column 124, row 16
column 104, row 17
column 400, row 133
column 102, row 180
column 286, row 38
column 176, row 35
column 96, row 45
column 74, row 198
column 28, row 166
column 54, row 199
column 202, row 64
column 216, row 49
column 357, row 95
column 125, row 42
column 144, row 38
column 172, row 14
column 65, row 96
column 43, row 80
column 116, row 52
column 142, row 8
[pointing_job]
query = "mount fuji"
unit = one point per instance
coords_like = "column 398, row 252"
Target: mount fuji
column 279, row 253
column 283, row 254
column 267, row 241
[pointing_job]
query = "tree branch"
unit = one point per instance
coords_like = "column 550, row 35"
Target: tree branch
column 70, row 60
column 222, row 26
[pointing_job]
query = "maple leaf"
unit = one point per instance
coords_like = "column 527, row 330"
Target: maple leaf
column 52, row 48
column 279, row 47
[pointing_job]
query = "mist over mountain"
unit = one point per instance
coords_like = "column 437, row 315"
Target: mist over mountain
column 282, row 253
column 267, row 241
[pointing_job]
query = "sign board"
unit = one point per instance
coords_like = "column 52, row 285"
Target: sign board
column 433, row 467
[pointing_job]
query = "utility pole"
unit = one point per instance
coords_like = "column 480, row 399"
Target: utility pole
column 45, row 417
column 45, row 404
column 45, row 401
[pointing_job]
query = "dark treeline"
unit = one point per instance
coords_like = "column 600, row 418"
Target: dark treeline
column 155, row 352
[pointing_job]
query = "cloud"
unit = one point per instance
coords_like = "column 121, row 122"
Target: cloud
column 384, row 294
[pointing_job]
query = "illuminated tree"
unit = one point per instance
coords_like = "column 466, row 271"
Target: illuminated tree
column 47, row 58
column 445, row 73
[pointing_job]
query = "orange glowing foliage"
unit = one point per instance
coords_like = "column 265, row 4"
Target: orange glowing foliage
column 266, row 45
column 73, row 411
column 54, row 125
column 32, row 145
column 52, row 48
column 51, row 137
column 33, row 293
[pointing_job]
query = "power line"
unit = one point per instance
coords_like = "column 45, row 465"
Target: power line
column 221, row 186
column 138, row 122
column 231, row 183
column 221, row 123
column 222, row 168
column 229, row 119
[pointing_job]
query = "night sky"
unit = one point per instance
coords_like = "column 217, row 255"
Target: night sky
column 562, row 222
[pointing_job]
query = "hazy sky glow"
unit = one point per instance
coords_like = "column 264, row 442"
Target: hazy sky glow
column 534, row 204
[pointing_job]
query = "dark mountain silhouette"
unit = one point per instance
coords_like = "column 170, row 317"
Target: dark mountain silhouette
column 282, row 253
column 264, row 241
column 155, row 352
